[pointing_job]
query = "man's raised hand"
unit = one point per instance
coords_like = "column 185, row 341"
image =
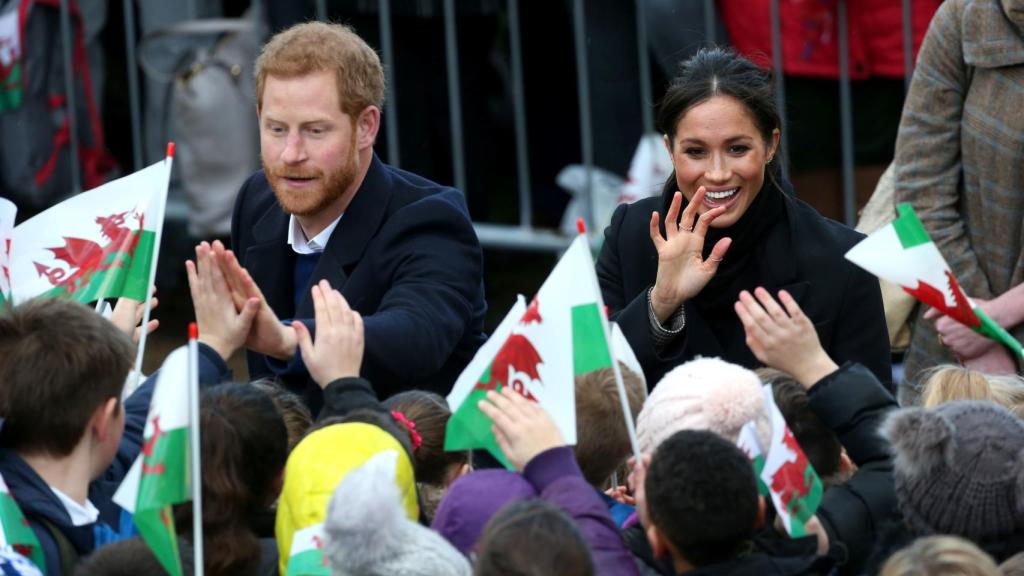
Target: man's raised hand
column 221, row 326
column 267, row 334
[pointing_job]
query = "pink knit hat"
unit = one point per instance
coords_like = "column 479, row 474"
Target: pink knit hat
column 703, row 394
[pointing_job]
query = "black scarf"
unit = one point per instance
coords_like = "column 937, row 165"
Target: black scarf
column 741, row 267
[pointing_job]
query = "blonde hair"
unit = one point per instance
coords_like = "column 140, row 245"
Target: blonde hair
column 948, row 382
column 940, row 556
column 319, row 47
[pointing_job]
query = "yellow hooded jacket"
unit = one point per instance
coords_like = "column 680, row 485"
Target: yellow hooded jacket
column 319, row 463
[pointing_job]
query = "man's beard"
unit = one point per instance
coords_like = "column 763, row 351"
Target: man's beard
column 329, row 187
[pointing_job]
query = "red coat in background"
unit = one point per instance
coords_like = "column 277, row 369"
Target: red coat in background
column 810, row 35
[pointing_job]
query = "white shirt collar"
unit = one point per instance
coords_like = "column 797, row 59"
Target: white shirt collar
column 297, row 238
column 80, row 515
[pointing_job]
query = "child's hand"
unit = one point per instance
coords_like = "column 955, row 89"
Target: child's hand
column 621, row 495
column 127, row 316
column 636, row 481
column 338, row 350
column 783, row 339
column 521, row 427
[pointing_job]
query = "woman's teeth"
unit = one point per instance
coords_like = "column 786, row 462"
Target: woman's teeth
column 721, row 195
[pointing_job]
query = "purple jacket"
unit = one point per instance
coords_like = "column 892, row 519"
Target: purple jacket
column 554, row 476
column 557, row 478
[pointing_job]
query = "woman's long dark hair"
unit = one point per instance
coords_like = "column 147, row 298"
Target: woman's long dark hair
column 244, row 449
column 719, row 72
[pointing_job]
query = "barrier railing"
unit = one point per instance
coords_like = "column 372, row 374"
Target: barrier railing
column 523, row 235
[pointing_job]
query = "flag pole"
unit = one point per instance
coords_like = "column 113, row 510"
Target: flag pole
column 152, row 269
column 619, row 384
column 196, row 451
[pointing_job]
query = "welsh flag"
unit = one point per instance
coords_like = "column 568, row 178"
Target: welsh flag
column 751, row 446
column 8, row 211
column 98, row 244
column 538, row 350
column 307, row 556
column 904, row 254
column 16, row 532
column 12, row 90
column 795, row 487
column 160, row 476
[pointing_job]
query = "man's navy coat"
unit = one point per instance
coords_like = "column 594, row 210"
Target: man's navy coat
column 404, row 255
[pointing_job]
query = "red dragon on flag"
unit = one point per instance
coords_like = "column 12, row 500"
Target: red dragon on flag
column 85, row 257
column 517, row 360
column 792, row 480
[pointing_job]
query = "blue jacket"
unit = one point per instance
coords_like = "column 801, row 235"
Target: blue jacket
column 37, row 501
column 404, row 255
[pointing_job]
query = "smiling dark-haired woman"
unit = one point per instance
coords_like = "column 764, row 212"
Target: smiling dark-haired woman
column 672, row 268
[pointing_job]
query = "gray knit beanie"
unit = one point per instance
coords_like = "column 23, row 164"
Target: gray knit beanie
column 369, row 535
column 959, row 469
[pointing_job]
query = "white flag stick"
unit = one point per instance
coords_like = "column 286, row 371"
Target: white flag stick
column 623, row 398
column 196, row 451
column 162, row 202
column 619, row 384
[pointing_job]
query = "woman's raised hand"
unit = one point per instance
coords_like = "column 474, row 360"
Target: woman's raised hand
column 682, row 270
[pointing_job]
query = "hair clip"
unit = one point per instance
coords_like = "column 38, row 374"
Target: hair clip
column 417, row 440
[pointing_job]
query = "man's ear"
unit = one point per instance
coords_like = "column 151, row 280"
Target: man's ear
column 761, row 511
column 367, row 125
column 104, row 419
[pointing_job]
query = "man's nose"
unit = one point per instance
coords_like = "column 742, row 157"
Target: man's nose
column 294, row 150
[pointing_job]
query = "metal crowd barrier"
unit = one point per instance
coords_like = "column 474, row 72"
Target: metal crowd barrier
column 524, row 235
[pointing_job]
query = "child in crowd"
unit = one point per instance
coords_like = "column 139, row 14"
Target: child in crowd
column 62, row 450
column 562, row 549
column 297, row 419
column 602, row 440
column 959, row 470
column 425, row 415
column 948, row 382
column 940, row 556
column 531, row 442
column 850, row 401
column 701, row 509
column 369, row 534
column 244, row 448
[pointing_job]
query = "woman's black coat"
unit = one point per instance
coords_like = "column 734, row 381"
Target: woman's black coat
column 805, row 253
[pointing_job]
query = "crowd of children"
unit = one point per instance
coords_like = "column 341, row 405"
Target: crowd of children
column 935, row 489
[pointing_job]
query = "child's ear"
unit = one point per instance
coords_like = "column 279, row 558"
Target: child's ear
column 658, row 545
column 761, row 511
column 846, row 465
column 105, row 419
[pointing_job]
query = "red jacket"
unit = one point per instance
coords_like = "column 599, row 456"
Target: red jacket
column 810, row 34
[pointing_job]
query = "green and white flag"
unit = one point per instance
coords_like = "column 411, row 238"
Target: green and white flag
column 792, row 482
column 307, row 553
column 538, row 350
column 98, row 244
column 12, row 83
column 8, row 212
column 904, row 254
column 751, row 446
column 16, row 532
column 161, row 475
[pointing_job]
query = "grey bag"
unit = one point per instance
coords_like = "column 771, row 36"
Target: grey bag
column 211, row 113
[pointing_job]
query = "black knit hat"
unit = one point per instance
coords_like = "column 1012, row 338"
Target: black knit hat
column 959, row 469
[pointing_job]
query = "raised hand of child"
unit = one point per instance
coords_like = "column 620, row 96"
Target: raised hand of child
column 127, row 315
column 338, row 350
column 521, row 427
column 783, row 339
